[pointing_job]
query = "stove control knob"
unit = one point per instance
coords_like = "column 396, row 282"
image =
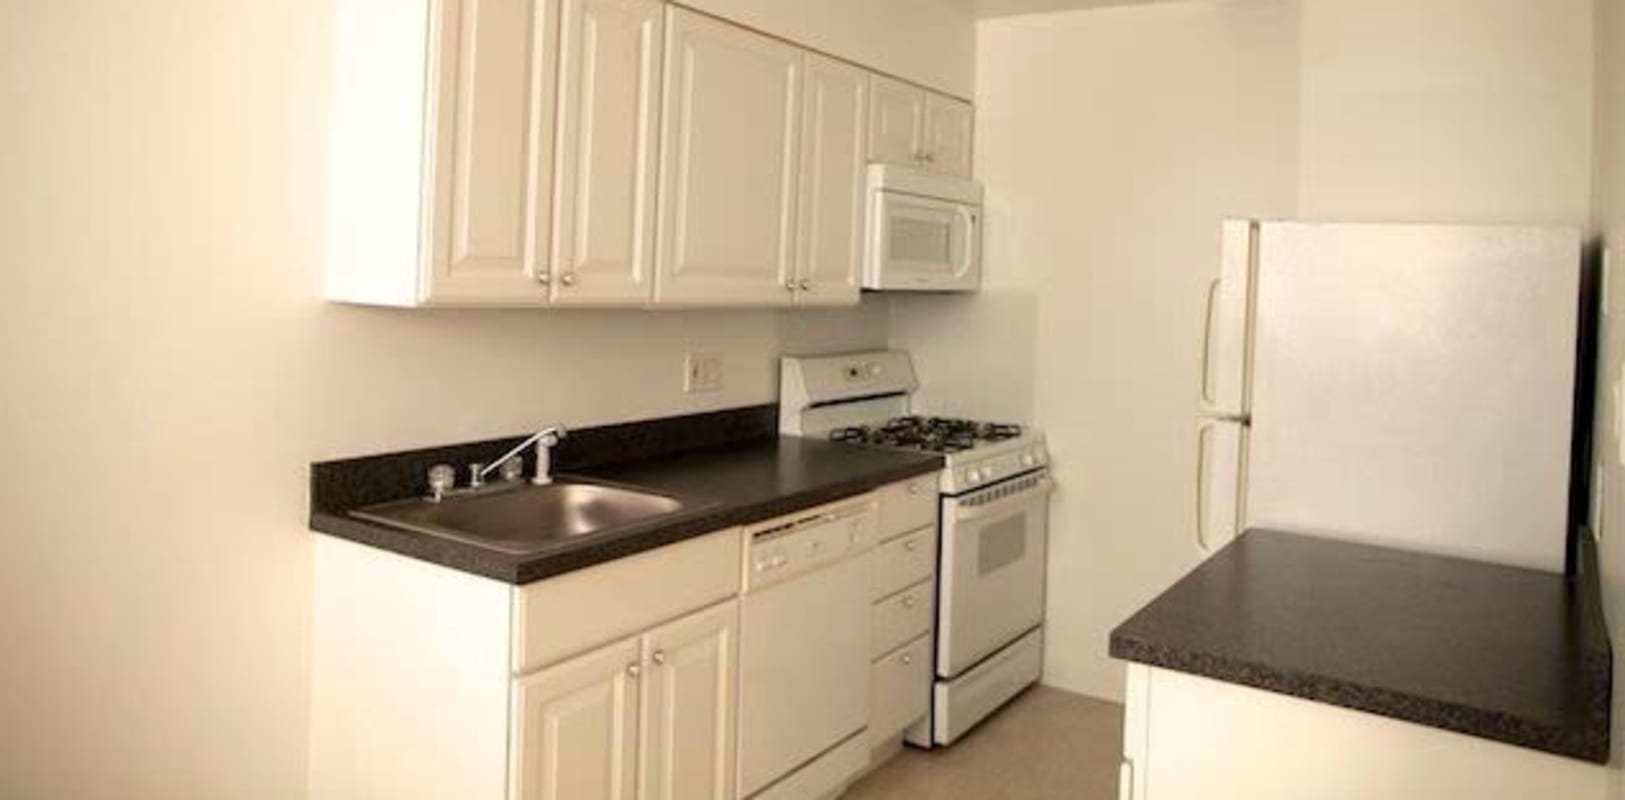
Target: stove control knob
column 874, row 369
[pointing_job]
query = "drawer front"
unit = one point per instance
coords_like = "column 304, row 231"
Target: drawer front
column 908, row 505
column 905, row 561
column 559, row 617
column 900, row 690
column 901, row 617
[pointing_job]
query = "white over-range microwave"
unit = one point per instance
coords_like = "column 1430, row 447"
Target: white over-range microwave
column 924, row 231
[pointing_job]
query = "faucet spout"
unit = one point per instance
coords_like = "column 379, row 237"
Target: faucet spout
column 544, row 440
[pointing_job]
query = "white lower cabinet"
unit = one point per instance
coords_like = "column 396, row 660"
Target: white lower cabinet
column 1187, row 738
column 903, row 614
column 650, row 717
column 575, row 727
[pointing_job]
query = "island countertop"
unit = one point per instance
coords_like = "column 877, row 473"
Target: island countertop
column 1503, row 653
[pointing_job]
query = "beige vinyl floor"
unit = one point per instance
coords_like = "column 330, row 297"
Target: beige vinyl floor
column 1046, row 744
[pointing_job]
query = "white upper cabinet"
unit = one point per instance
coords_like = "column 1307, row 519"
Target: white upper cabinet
column 609, row 120
column 519, row 153
column 919, row 128
column 829, row 234
column 728, row 164
column 948, row 125
column 896, row 122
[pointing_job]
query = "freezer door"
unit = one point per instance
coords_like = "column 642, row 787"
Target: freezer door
column 1224, row 346
column 1414, row 386
column 1219, row 475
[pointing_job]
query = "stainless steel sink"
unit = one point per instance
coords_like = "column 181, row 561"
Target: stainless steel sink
column 524, row 519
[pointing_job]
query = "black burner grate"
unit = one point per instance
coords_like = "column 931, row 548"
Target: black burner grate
column 931, row 434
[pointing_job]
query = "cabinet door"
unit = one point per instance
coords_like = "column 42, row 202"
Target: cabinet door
column 896, row 121
column 829, row 236
column 493, row 152
column 728, row 164
column 608, row 127
column 688, row 707
column 948, row 127
column 575, row 728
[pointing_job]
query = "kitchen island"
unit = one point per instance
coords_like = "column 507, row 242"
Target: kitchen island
column 1286, row 663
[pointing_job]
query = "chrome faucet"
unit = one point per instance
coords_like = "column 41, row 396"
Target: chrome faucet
column 443, row 479
column 545, row 440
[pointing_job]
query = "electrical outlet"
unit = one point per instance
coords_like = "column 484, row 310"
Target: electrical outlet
column 702, row 372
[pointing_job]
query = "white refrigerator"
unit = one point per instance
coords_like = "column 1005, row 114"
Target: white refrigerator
column 1403, row 385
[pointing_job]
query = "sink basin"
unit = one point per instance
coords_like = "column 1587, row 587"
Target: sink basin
column 524, row 519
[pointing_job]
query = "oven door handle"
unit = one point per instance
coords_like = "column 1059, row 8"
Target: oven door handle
column 963, row 513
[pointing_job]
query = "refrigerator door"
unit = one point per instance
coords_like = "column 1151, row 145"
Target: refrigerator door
column 1414, row 386
column 1219, row 453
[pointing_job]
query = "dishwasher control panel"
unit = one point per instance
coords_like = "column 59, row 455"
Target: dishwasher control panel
column 803, row 543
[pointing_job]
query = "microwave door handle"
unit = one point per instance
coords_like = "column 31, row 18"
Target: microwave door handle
column 969, row 513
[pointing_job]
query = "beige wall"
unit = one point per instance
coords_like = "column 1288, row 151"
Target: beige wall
column 929, row 42
column 169, row 373
column 1112, row 140
column 1608, row 222
column 1446, row 110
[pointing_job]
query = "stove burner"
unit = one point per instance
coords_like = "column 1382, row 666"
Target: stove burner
column 931, row 434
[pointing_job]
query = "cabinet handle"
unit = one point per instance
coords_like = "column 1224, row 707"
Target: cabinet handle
column 914, row 488
column 659, row 657
column 544, row 278
column 789, row 286
column 908, row 658
column 929, row 159
column 908, row 601
column 911, row 545
column 806, row 286
column 633, row 671
column 568, row 279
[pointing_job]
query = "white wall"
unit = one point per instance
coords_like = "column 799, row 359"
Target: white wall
column 1608, row 221
column 1111, row 142
column 1446, row 110
column 169, row 373
column 929, row 42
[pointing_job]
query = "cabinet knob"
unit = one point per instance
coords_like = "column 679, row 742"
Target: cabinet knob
column 908, row 658
column 568, row 279
column 789, row 286
column 929, row 159
column 544, row 278
column 633, row 671
column 659, row 657
column 911, row 545
column 914, row 487
column 908, row 601
column 805, row 286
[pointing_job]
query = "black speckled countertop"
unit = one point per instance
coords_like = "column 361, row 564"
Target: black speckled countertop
column 730, row 468
column 1514, row 655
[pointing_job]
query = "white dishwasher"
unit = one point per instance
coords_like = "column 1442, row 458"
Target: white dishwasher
column 804, row 653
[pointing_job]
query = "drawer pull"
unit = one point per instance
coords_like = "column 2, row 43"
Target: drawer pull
column 914, row 488
column 633, row 671
column 911, row 545
column 908, row 658
column 908, row 601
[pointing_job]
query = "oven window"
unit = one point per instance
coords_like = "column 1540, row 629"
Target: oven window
column 1001, row 544
column 921, row 241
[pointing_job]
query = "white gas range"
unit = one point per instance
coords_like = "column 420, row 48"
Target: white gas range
column 993, row 524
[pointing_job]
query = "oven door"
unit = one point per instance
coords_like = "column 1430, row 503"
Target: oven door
column 923, row 244
column 991, row 588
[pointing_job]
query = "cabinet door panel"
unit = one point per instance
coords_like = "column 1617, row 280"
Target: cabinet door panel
column 829, row 238
column 493, row 151
column 728, row 164
column 948, row 128
column 575, row 731
column 896, row 121
column 608, row 126
column 689, row 707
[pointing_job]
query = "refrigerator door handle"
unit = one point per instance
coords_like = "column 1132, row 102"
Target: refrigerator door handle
column 1203, row 434
column 1207, row 341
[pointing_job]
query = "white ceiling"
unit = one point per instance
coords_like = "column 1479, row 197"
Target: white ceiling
column 1005, row 8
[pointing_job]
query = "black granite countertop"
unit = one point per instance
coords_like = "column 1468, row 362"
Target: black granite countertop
column 1514, row 655
column 731, row 470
